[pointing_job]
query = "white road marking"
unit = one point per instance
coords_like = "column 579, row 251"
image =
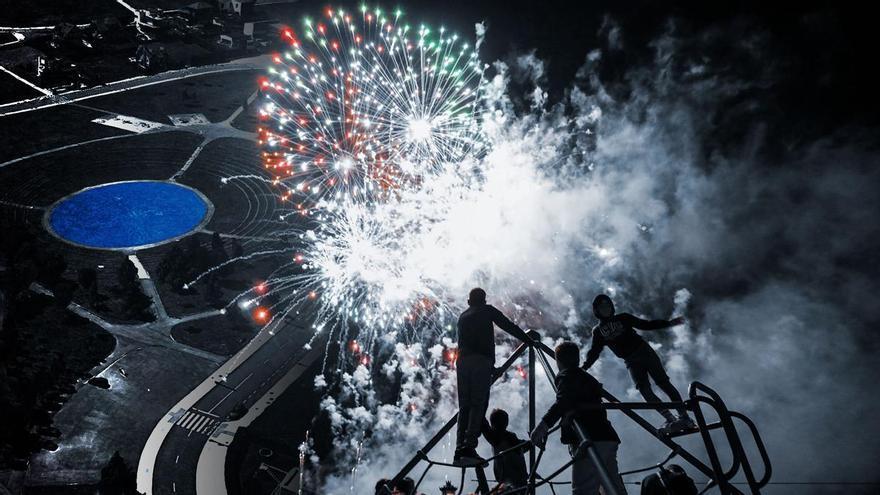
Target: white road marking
column 197, row 422
column 129, row 123
column 25, row 81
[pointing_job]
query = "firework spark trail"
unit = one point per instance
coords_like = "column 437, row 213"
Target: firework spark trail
column 365, row 118
column 365, row 103
column 258, row 254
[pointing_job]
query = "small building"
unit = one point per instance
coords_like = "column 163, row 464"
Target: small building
column 200, row 11
column 151, row 57
column 26, row 61
column 240, row 8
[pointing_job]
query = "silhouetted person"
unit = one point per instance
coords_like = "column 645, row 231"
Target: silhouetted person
column 670, row 480
column 576, row 391
column 510, row 468
column 474, row 368
column 383, row 487
column 405, row 486
column 617, row 332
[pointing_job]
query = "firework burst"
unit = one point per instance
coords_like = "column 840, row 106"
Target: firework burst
column 362, row 103
column 370, row 130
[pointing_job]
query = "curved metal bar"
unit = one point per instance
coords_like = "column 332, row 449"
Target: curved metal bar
column 548, row 479
column 740, row 458
column 422, row 477
column 659, row 465
column 422, row 453
column 718, row 473
column 759, row 443
column 645, row 424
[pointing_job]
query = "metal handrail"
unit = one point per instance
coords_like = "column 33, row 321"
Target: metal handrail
column 740, row 458
column 421, row 454
column 699, row 394
column 759, row 443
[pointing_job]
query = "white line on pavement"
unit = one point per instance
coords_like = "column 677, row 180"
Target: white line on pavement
column 25, row 81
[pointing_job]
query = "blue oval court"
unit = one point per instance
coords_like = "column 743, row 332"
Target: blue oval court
column 128, row 215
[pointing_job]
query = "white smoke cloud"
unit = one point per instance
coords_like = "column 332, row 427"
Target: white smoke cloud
column 599, row 194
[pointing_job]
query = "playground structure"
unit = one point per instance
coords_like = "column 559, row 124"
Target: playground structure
column 699, row 395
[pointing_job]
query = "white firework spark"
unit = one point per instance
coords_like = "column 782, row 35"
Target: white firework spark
column 363, row 103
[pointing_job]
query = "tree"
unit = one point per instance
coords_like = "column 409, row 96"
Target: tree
column 88, row 281
column 170, row 264
column 64, row 290
column 134, row 300
column 126, row 275
column 117, row 477
column 50, row 267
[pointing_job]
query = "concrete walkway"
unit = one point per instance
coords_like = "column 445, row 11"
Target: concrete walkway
column 48, row 101
column 157, row 332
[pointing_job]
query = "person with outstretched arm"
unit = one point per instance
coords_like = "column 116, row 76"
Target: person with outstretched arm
column 474, row 368
column 577, row 395
column 617, row 332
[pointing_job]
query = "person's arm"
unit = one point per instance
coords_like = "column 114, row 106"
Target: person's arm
column 567, row 395
column 508, row 326
column 641, row 324
column 595, row 350
column 564, row 403
column 488, row 433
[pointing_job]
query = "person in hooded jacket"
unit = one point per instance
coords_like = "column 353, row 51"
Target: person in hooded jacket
column 617, row 332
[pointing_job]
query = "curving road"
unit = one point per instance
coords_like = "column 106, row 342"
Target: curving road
column 170, row 462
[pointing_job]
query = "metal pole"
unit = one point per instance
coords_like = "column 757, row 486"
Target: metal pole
column 531, row 410
column 449, row 424
column 586, row 444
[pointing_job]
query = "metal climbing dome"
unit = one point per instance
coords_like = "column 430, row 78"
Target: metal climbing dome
column 700, row 398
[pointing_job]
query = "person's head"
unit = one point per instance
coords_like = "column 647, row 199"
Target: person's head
column 476, row 297
column 383, row 486
column 499, row 420
column 405, row 486
column 568, row 355
column 603, row 307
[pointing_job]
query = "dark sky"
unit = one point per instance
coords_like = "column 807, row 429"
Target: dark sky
column 822, row 48
column 819, row 51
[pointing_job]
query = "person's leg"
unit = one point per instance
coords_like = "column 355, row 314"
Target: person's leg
column 658, row 374
column 464, row 406
column 638, row 370
column 480, row 383
column 608, row 454
column 584, row 478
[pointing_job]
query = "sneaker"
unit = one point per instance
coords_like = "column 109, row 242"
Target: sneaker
column 467, row 457
column 677, row 425
column 668, row 427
